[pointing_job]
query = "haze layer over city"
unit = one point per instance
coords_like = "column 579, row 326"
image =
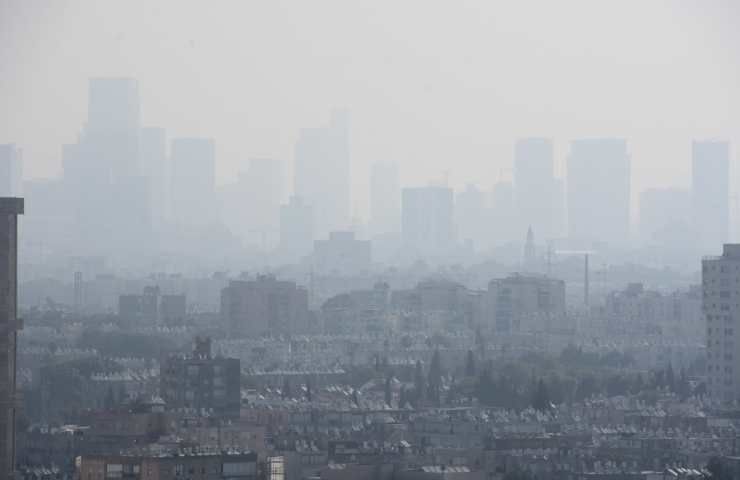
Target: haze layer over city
column 291, row 240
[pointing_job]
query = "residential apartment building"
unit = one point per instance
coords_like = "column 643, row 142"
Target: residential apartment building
column 721, row 309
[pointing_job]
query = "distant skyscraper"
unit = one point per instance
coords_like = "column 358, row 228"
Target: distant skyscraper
column 109, row 194
column 193, row 181
column 263, row 186
column 710, row 173
column 472, row 217
column 663, row 213
column 536, row 193
column 113, row 124
column 296, row 229
column 599, row 190
column 427, row 219
column 504, row 220
column 385, row 199
column 322, row 172
column 721, row 284
column 530, row 253
column 153, row 155
column 11, row 171
column 10, row 208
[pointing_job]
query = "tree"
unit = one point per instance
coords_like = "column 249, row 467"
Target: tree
column 309, row 393
column 470, row 364
column 435, row 378
column 402, row 398
column 670, row 378
column 541, row 398
column 486, row 388
column 286, row 392
column 388, row 393
column 110, row 400
column 718, row 469
column 419, row 383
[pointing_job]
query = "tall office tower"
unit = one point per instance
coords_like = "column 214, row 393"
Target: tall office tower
column 529, row 260
column 113, row 124
column 710, row 174
column 10, row 208
column 536, row 191
column 11, row 170
column 296, row 229
column 101, row 172
column 720, row 280
column 471, row 216
column 503, row 217
column 262, row 187
column 322, row 172
column 153, row 159
column 665, row 216
column 427, row 219
column 599, row 190
column 193, row 170
column 385, row 199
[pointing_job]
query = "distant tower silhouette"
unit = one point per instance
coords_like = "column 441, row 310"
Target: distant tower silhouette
column 530, row 254
column 78, row 292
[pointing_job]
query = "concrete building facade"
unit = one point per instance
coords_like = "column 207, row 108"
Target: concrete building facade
column 10, row 208
column 524, row 303
column 598, row 176
column 202, row 382
column 264, row 306
column 721, row 285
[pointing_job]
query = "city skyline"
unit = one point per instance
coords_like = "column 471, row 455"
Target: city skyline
column 478, row 131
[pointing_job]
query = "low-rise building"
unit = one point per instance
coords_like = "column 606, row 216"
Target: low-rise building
column 202, row 382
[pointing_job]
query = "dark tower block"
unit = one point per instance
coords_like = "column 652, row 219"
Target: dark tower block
column 10, row 208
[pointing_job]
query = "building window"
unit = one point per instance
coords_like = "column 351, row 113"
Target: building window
column 113, row 470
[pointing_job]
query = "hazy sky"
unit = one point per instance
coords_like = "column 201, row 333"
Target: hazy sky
column 435, row 85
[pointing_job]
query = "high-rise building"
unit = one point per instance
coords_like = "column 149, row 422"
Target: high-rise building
column 113, row 124
column 322, row 172
column 720, row 280
column 427, row 219
column 385, row 199
column 259, row 191
column 153, row 159
column 102, row 174
column 536, row 191
column 11, row 170
column 471, row 216
column 530, row 253
column 296, row 229
column 599, row 190
column 264, row 306
column 503, row 215
column 193, row 181
column 10, row 208
column 664, row 212
column 710, row 174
